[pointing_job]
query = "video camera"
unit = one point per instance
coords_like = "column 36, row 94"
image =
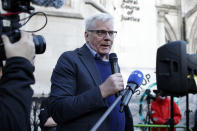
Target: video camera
column 176, row 71
column 9, row 24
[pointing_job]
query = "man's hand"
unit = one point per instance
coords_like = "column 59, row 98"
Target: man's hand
column 113, row 84
column 22, row 48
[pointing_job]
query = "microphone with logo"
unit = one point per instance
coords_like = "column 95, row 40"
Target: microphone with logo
column 134, row 82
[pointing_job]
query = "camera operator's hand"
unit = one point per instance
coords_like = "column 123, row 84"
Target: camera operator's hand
column 22, row 48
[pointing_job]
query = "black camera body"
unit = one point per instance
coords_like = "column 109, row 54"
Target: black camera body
column 10, row 25
column 16, row 5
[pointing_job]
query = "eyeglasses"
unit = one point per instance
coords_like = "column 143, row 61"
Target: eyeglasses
column 103, row 33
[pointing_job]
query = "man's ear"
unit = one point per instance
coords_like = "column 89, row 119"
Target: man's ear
column 86, row 36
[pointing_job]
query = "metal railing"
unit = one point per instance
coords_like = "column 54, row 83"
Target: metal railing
column 35, row 112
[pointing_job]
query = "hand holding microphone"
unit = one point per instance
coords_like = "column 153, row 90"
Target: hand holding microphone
column 113, row 59
column 134, row 81
column 114, row 83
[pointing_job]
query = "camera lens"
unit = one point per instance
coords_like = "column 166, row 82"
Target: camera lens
column 40, row 44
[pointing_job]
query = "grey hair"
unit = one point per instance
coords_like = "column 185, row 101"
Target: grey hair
column 90, row 22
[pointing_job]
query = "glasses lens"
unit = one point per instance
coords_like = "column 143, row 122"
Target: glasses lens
column 103, row 33
column 112, row 33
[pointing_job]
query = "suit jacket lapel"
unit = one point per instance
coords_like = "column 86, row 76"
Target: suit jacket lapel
column 89, row 62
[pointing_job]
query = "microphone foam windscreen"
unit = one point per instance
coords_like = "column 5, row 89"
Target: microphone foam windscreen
column 112, row 56
column 136, row 77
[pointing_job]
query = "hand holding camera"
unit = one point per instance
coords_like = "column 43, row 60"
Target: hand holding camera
column 22, row 48
column 10, row 24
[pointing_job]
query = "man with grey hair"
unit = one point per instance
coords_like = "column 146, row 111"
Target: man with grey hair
column 83, row 85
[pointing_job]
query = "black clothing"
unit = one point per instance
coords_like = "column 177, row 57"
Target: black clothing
column 44, row 115
column 16, row 95
column 117, row 118
column 195, row 121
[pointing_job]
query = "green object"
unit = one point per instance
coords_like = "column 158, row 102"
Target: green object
column 144, row 126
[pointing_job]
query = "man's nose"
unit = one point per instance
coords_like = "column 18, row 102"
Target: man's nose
column 107, row 37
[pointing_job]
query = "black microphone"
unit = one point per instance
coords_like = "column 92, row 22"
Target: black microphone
column 113, row 59
column 49, row 3
column 149, row 96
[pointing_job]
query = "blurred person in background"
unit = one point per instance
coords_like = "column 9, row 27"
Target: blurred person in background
column 46, row 121
column 160, row 111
